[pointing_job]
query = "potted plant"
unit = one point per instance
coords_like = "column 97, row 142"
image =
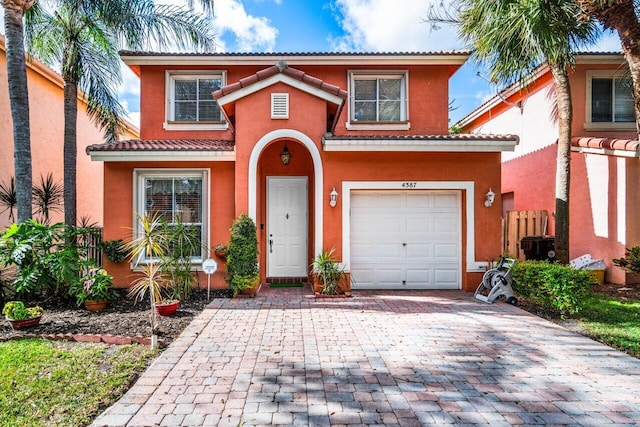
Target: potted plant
column 114, row 250
column 21, row 317
column 242, row 257
column 329, row 277
column 94, row 288
column 220, row 251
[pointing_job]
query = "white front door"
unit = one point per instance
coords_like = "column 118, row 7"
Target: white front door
column 287, row 226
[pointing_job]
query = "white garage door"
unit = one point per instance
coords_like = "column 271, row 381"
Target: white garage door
column 405, row 239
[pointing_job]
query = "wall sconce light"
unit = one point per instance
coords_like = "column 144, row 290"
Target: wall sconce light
column 285, row 155
column 333, row 198
column 490, row 198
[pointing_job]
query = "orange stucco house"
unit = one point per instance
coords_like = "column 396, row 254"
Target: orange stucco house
column 46, row 109
column 605, row 168
column 348, row 151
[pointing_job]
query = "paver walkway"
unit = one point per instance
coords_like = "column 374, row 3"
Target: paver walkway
column 391, row 358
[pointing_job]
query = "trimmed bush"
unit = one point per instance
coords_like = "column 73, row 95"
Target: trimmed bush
column 242, row 255
column 554, row 287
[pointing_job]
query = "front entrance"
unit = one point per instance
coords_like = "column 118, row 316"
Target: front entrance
column 287, row 216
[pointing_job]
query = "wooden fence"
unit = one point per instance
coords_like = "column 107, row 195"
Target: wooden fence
column 519, row 224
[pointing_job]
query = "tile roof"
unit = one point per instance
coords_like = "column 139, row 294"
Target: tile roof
column 164, row 145
column 606, row 143
column 284, row 54
column 280, row 67
column 454, row 137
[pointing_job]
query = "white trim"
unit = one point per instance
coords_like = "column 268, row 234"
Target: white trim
column 138, row 204
column 606, row 126
column 291, row 134
column 426, row 58
column 194, row 126
column 441, row 145
column 469, row 209
column 278, row 78
column 403, row 123
column 162, row 156
column 381, row 126
column 170, row 77
column 605, row 152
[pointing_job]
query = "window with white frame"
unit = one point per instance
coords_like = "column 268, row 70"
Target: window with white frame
column 610, row 99
column 190, row 101
column 174, row 196
column 378, row 97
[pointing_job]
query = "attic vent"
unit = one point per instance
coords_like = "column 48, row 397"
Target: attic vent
column 279, row 105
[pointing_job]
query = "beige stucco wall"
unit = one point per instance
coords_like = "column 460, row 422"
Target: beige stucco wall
column 47, row 127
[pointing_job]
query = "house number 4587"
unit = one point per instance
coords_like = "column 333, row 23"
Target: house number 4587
column 409, row 185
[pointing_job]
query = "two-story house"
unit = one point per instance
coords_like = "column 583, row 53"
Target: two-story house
column 605, row 169
column 348, row 151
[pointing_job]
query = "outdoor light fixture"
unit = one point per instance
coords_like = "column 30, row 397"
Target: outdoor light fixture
column 285, row 155
column 333, row 201
column 490, row 197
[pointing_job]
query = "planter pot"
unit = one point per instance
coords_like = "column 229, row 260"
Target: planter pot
column 24, row 323
column 220, row 254
column 95, row 305
column 167, row 309
column 250, row 292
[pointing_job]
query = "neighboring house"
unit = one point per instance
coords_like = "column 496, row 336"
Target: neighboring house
column 605, row 169
column 46, row 111
column 344, row 151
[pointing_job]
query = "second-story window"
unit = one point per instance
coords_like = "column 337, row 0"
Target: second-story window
column 612, row 100
column 378, row 98
column 190, row 103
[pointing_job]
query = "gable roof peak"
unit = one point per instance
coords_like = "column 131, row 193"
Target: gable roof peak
column 281, row 65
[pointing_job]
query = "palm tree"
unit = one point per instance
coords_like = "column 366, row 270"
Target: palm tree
column 622, row 16
column 14, row 11
column 83, row 37
column 515, row 37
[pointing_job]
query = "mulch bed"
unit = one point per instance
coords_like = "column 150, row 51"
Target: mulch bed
column 121, row 318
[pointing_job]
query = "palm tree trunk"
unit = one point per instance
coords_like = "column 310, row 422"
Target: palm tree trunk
column 621, row 16
column 19, row 101
column 563, row 161
column 70, row 151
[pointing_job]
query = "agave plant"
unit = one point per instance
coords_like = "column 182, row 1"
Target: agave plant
column 8, row 199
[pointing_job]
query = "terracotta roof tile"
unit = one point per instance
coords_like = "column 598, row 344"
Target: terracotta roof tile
column 285, row 54
column 164, row 145
column 606, row 143
column 281, row 67
column 455, row 137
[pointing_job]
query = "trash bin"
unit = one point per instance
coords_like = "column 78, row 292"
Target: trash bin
column 539, row 248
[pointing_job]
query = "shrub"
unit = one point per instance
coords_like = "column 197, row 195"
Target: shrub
column 242, row 254
column 45, row 261
column 114, row 250
column 554, row 287
column 631, row 261
column 15, row 310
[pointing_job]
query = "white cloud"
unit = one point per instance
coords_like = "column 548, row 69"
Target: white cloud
column 391, row 25
column 609, row 42
column 251, row 33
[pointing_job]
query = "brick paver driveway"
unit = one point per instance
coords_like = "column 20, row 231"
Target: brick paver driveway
column 392, row 358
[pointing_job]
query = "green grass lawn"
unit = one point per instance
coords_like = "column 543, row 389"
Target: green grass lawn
column 613, row 322
column 55, row 383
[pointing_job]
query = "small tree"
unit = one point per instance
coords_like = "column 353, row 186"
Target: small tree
column 242, row 255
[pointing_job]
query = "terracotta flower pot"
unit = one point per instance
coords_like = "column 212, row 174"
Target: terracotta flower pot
column 95, row 305
column 24, row 323
column 222, row 254
column 167, row 309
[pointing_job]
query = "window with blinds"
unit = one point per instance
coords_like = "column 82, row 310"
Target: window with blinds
column 191, row 99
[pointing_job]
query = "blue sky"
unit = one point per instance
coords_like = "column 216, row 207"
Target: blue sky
column 339, row 25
